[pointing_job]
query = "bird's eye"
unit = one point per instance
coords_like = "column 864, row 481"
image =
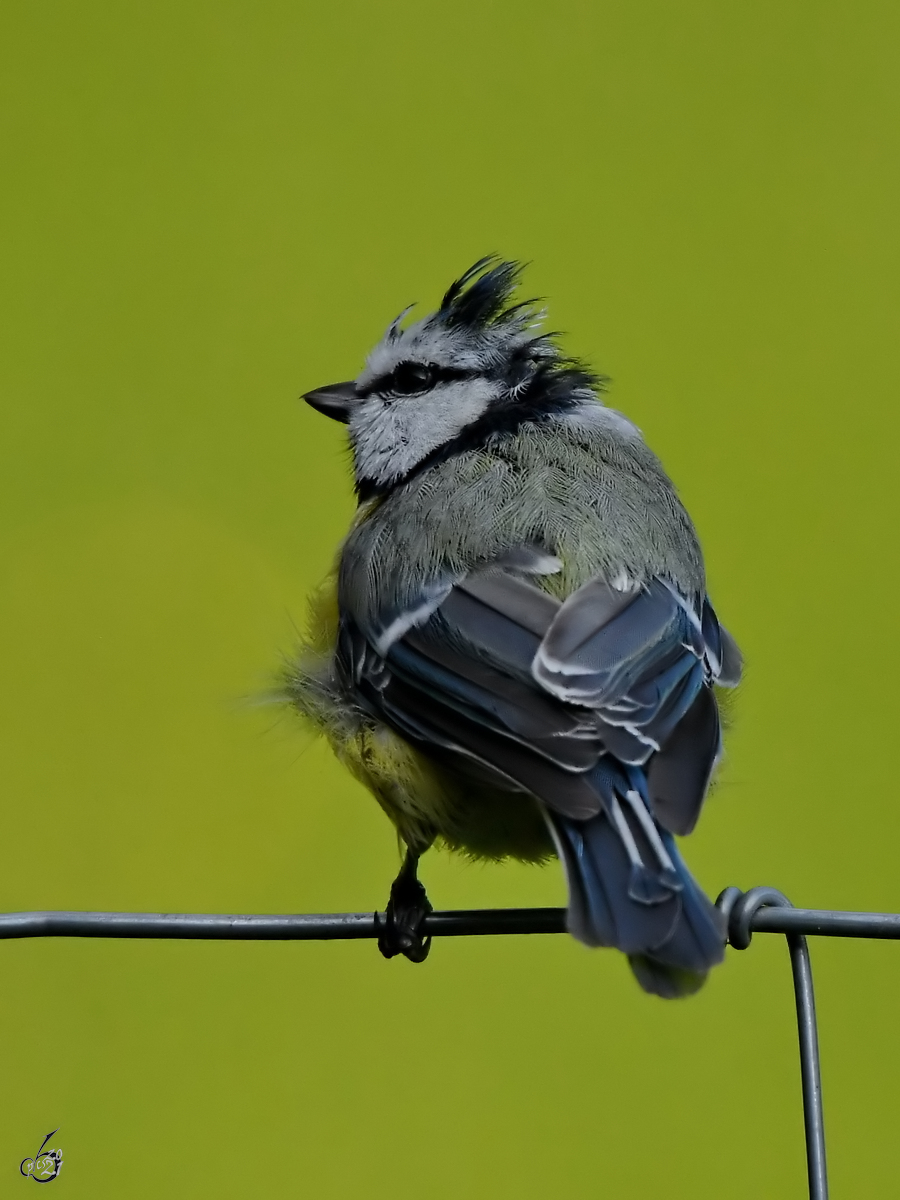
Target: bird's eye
column 409, row 377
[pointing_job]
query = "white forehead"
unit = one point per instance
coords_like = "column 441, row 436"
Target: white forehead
column 430, row 340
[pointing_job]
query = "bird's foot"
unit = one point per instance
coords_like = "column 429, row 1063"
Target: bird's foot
column 405, row 915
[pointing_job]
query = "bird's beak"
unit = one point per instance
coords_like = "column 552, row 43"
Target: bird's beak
column 334, row 401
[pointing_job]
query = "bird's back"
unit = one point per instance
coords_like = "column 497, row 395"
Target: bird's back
column 590, row 492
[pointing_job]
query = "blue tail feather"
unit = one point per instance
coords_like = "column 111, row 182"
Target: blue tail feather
column 630, row 888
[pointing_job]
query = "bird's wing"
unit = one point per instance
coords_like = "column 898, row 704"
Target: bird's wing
column 644, row 659
column 489, row 670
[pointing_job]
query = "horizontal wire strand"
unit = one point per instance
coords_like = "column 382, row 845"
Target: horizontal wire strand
column 344, row 926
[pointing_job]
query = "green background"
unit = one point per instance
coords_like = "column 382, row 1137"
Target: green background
column 208, row 207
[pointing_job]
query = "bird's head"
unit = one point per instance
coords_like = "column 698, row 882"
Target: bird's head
column 474, row 369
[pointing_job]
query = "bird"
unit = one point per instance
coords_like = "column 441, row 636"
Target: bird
column 515, row 651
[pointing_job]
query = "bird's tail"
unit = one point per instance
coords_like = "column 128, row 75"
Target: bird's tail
column 629, row 888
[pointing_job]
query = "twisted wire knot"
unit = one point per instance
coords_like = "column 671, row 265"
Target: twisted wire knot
column 739, row 908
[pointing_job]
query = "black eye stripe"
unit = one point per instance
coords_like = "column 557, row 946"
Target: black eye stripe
column 436, row 375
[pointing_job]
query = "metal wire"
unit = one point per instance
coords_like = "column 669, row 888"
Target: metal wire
column 457, row 923
column 742, row 911
column 288, row 927
column 761, row 910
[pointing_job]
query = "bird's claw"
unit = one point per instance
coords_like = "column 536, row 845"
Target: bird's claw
column 404, row 917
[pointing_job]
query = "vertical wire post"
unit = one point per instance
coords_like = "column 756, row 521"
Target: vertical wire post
column 810, row 1075
column 739, row 909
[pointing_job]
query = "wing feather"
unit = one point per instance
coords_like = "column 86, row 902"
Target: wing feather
column 437, row 725
column 678, row 777
column 493, row 672
column 598, row 665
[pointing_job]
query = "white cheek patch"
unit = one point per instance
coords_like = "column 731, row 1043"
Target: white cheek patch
column 447, row 410
column 391, row 435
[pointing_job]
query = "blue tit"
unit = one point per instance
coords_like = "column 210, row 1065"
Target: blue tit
column 516, row 653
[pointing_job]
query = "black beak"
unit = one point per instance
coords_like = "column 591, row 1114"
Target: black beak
column 334, row 401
